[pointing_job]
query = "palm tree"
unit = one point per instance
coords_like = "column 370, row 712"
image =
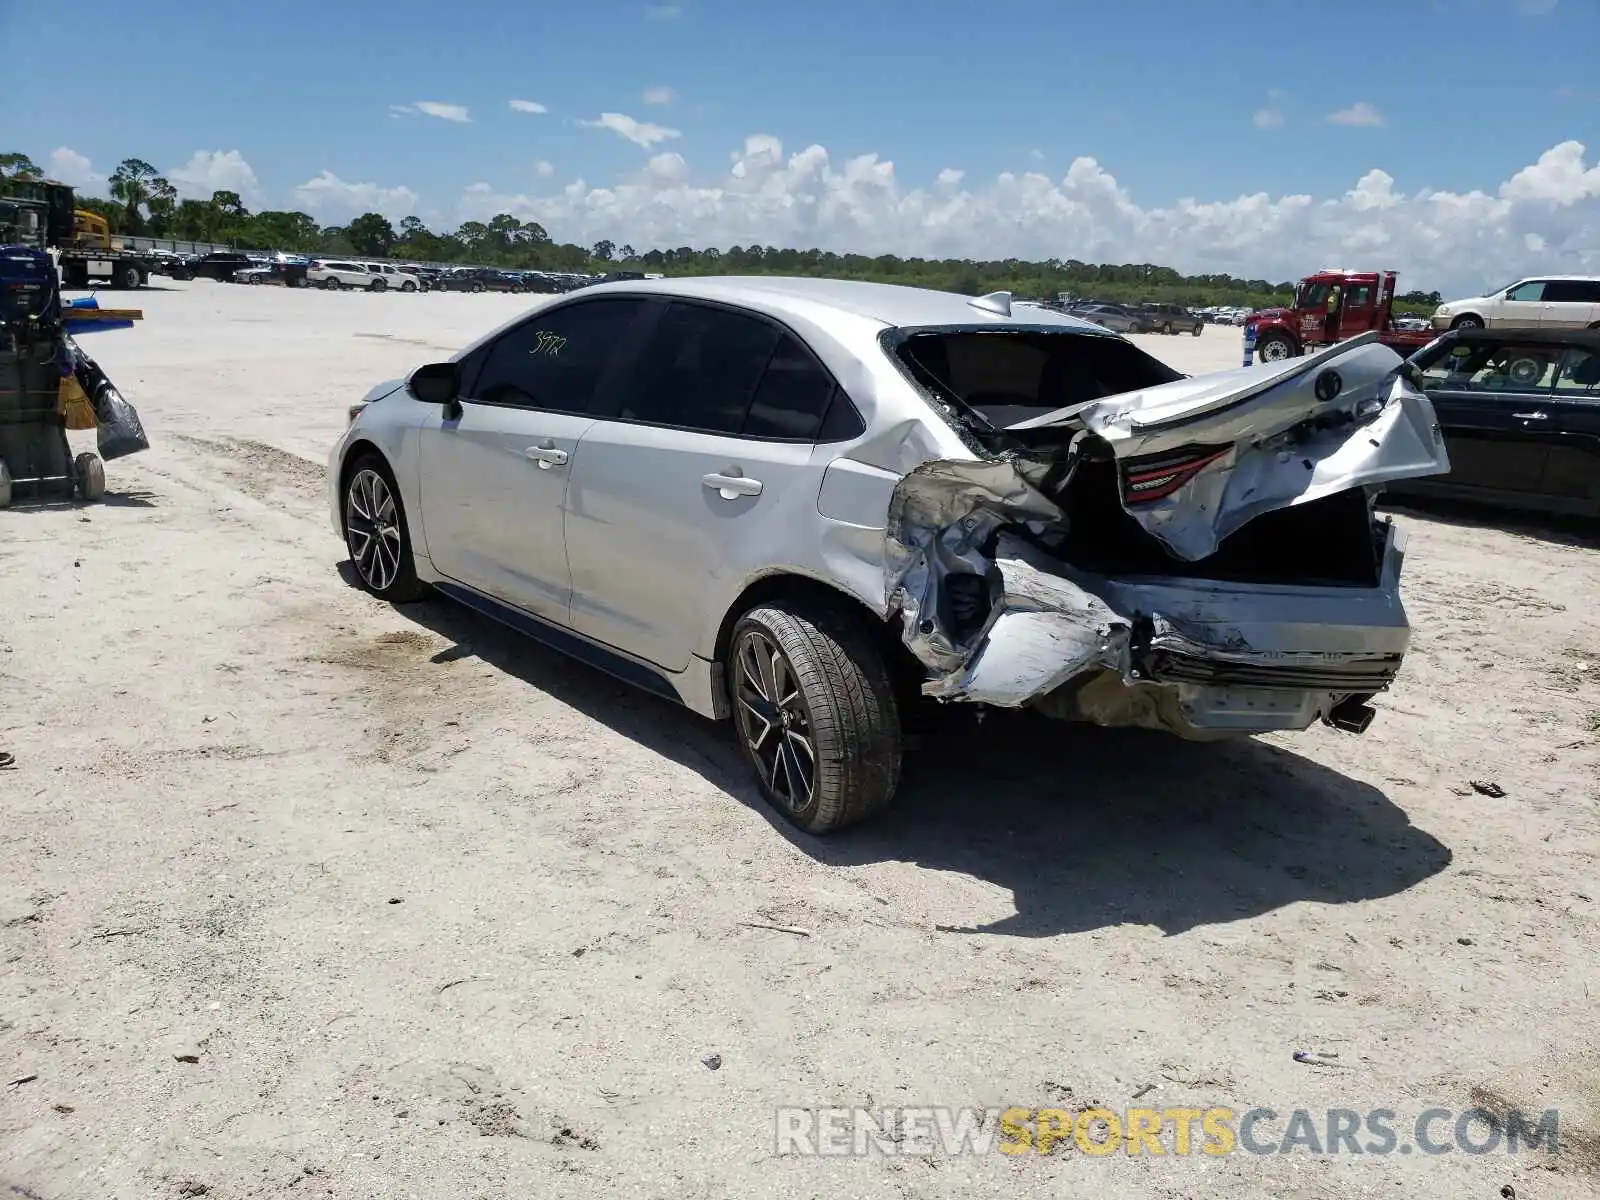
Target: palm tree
column 136, row 182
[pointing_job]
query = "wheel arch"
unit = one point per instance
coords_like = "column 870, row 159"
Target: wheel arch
column 809, row 591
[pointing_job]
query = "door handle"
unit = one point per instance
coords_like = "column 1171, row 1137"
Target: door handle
column 1532, row 416
column 547, row 456
column 732, row 484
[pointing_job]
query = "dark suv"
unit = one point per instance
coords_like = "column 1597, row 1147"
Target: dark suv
column 219, row 265
column 1170, row 318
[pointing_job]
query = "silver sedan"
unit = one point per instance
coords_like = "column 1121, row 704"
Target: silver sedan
column 807, row 504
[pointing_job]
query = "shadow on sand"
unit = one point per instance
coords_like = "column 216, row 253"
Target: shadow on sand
column 1087, row 827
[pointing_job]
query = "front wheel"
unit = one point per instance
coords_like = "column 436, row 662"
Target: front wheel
column 377, row 285
column 127, row 277
column 1196, row 329
column 479, row 286
column 375, row 533
column 815, row 713
column 1467, row 321
column 1275, row 347
column 331, row 283
column 408, row 286
column 1167, row 328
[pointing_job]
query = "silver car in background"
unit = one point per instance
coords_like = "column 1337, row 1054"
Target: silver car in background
column 806, row 504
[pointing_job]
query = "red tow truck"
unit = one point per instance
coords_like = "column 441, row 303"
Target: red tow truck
column 1365, row 301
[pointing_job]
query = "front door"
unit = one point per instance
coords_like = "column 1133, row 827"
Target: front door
column 1492, row 400
column 494, row 479
column 1357, row 310
column 704, row 471
column 1522, row 307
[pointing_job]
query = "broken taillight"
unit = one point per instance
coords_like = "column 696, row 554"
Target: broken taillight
column 1157, row 476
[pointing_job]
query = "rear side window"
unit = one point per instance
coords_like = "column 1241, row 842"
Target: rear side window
column 556, row 360
column 793, row 395
column 1572, row 291
column 1008, row 377
column 699, row 370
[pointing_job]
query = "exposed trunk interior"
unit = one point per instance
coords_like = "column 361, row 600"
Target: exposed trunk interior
column 1327, row 542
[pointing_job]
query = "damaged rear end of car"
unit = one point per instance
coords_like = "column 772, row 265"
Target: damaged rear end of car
column 1131, row 547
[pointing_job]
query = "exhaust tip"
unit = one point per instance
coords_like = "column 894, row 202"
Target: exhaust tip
column 1352, row 715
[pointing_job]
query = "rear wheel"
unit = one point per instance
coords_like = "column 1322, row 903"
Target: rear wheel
column 478, row 286
column 1166, row 328
column 127, row 276
column 408, row 286
column 377, row 285
column 815, row 714
column 331, row 283
column 1467, row 321
column 375, row 532
column 1196, row 329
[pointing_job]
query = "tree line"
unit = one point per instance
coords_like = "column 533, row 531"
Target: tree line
column 143, row 202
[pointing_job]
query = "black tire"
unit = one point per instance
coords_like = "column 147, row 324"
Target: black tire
column 1275, row 347
column 1467, row 321
column 380, row 550
column 127, row 277
column 408, row 286
column 478, row 285
column 75, row 275
column 1166, row 328
column 89, row 473
column 843, row 707
column 332, row 283
column 1197, row 327
column 377, row 285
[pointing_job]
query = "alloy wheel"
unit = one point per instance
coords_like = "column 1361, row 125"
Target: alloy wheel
column 775, row 721
column 372, row 529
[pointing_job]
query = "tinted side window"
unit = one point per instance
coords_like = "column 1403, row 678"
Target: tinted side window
column 793, row 395
column 699, row 370
column 1571, row 291
column 555, row 360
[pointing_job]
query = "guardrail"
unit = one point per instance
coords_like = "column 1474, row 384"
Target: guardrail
column 177, row 246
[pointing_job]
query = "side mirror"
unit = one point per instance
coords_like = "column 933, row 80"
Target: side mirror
column 437, row 383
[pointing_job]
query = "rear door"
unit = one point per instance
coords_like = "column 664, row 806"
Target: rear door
column 1572, row 470
column 494, row 479
column 1492, row 399
column 1571, row 303
column 704, row 466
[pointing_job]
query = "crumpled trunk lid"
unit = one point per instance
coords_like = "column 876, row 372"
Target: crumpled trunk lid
column 1201, row 457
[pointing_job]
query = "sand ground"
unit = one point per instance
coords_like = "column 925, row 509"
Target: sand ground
column 436, row 913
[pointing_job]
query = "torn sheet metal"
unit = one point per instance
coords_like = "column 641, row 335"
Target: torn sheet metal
column 1043, row 630
column 1283, row 434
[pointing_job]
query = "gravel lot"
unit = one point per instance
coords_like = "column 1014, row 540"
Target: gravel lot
column 305, row 895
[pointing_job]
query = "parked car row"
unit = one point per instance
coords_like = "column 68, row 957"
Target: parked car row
column 1143, row 318
column 335, row 274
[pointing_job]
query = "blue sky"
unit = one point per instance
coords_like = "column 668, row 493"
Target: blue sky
column 1174, row 100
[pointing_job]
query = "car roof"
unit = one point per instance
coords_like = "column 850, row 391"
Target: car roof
column 1589, row 339
column 888, row 303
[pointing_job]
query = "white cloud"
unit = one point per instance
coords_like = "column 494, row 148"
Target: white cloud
column 526, row 106
column 1036, row 155
column 1359, row 113
column 662, row 12
column 1542, row 218
column 432, row 108
column 1269, row 118
column 330, row 199
column 543, row 169
column 640, row 133
column 68, row 166
column 658, row 95
column 209, row 171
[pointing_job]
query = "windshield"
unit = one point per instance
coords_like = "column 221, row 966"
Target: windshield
column 1005, row 377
